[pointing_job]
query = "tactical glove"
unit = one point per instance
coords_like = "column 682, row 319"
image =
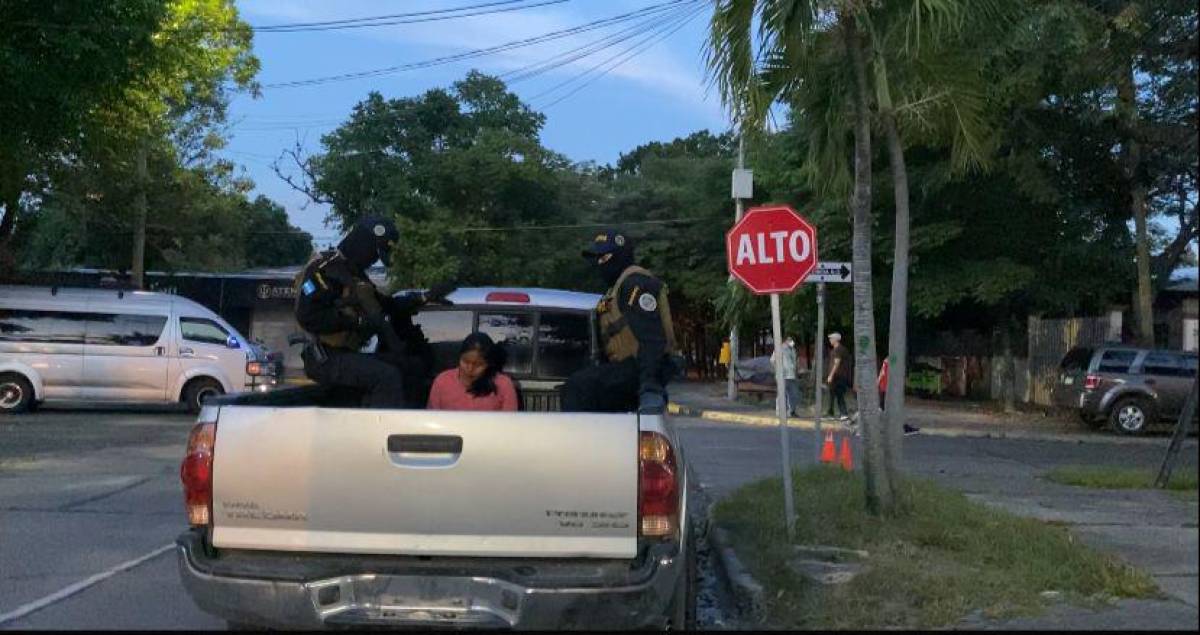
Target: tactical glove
column 438, row 292
column 651, row 403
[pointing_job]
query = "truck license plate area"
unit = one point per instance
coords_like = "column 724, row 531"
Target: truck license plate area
column 416, row 601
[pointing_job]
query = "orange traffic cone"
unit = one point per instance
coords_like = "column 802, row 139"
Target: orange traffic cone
column 829, row 450
column 846, row 461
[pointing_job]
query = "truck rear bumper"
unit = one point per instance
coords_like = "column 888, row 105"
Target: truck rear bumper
column 639, row 598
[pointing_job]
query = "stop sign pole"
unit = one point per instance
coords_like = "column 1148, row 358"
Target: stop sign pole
column 772, row 250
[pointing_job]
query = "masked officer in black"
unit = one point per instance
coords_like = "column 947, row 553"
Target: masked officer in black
column 339, row 306
column 637, row 334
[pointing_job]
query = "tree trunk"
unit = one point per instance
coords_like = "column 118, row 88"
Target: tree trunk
column 139, row 223
column 879, row 491
column 894, row 415
column 1143, row 307
column 1008, row 375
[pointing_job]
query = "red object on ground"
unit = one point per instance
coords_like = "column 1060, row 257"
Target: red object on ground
column 846, row 460
column 883, row 376
column 829, row 449
column 771, row 250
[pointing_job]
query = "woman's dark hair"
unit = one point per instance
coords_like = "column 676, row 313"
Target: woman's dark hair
column 493, row 354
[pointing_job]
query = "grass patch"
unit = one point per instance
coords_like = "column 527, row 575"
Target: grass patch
column 1186, row 495
column 941, row 558
column 1101, row 477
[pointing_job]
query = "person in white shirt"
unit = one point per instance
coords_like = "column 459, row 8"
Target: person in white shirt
column 791, row 383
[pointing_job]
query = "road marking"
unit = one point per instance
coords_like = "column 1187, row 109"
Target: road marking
column 58, row 596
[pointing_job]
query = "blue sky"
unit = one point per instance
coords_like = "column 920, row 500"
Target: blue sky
column 658, row 94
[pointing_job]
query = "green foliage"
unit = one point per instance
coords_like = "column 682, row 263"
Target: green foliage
column 199, row 220
column 939, row 559
column 95, row 84
column 1110, row 477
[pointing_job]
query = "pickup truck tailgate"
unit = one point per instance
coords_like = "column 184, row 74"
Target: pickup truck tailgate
column 426, row 482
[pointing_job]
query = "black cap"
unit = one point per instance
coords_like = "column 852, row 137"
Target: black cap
column 607, row 242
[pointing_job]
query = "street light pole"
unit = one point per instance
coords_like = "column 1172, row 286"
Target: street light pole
column 742, row 189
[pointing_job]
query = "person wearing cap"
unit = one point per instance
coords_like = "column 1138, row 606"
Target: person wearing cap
column 839, row 377
column 637, row 335
column 340, row 308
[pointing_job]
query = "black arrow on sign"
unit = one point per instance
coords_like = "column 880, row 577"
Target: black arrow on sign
column 845, row 272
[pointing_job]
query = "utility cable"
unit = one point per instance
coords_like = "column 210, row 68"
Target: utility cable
column 622, row 61
column 515, row 44
column 571, row 55
column 471, row 10
column 335, row 26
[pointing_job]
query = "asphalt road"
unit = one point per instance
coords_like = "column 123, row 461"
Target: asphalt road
column 90, row 501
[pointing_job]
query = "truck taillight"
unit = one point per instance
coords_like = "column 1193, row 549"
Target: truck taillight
column 658, row 487
column 196, row 472
column 1091, row 382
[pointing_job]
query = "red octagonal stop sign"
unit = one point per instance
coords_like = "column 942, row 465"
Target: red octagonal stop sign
column 771, row 250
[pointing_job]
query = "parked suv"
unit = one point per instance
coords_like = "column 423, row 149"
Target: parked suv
column 1128, row 387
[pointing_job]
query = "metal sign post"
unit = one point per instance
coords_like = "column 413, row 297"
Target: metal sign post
column 771, row 250
column 742, row 188
column 789, row 505
column 819, row 378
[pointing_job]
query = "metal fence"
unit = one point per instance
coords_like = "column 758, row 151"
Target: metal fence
column 1049, row 341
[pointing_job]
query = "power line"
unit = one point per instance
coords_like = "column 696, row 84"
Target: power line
column 472, row 10
column 437, row 61
column 658, row 30
column 339, row 25
column 633, row 54
column 571, row 55
column 478, row 229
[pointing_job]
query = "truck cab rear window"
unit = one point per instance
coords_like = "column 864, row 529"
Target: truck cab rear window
column 564, row 343
column 445, row 331
column 513, row 331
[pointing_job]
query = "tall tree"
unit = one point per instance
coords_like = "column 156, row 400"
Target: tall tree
column 903, row 67
column 816, row 49
column 59, row 61
column 463, row 171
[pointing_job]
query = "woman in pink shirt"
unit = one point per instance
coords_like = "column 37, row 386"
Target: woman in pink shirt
column 477, row 383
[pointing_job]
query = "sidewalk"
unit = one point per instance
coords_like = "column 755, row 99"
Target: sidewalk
column 707, row 400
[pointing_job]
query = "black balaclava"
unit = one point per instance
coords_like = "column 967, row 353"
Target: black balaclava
column 613, row 242
column 621, row 260
column 371, row 239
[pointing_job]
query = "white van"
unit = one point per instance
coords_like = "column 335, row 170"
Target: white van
column 106, row 345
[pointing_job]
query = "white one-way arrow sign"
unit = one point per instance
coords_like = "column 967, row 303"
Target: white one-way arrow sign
column 830, row 272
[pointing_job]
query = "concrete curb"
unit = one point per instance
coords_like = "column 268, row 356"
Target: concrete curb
column 809, row 424
column 747, row 593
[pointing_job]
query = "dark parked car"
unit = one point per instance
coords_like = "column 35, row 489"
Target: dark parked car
column 1130, row 388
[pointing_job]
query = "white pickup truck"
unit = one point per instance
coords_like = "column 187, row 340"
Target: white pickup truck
column 308, row 512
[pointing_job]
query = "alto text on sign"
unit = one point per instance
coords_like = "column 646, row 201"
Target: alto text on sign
column 771, row 249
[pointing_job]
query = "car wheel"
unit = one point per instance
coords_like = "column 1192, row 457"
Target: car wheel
column 683, row 606
column 1130, row 416
column 200, row 390
column 16, row 394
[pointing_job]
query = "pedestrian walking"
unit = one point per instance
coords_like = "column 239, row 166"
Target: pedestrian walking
column 839, row 377
column 787, row 357
column 883, row 384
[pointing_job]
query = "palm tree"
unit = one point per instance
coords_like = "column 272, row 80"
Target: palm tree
column 800, row 41
column 805, row 49
column 929, row 86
